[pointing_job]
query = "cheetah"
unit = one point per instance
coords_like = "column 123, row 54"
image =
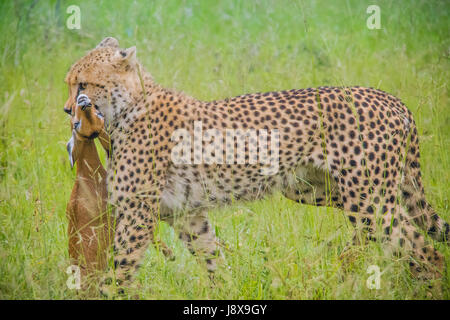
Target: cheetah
column 352, row 148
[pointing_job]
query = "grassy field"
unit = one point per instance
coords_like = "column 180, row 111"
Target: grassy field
column 277, row 249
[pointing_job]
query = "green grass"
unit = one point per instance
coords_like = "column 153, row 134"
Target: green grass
column 277, row 249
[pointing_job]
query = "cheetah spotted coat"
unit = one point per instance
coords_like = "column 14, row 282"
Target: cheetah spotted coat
column 352, row 148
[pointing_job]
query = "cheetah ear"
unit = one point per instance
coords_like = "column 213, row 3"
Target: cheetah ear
column 127, row 56
column 109, row 42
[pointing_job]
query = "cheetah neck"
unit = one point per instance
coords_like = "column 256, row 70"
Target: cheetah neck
column 146, row 99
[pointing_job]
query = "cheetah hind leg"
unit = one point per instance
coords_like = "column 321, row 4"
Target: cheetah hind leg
column 382, row 218
column 425, row 262
column 419, row 209
column 413, row 195
column 402, row 238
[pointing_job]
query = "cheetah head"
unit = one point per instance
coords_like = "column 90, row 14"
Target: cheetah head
column 108, row 75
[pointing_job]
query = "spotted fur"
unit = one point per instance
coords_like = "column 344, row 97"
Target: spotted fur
column 352, row 148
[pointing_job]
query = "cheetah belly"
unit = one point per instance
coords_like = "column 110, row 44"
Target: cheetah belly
column 192, row 187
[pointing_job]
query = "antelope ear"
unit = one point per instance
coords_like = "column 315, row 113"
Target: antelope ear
column 69, row 147
column 127, row 56
column 109, row 42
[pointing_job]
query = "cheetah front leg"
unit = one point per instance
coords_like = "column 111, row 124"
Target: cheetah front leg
column 135, row 224
column 198, row 235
